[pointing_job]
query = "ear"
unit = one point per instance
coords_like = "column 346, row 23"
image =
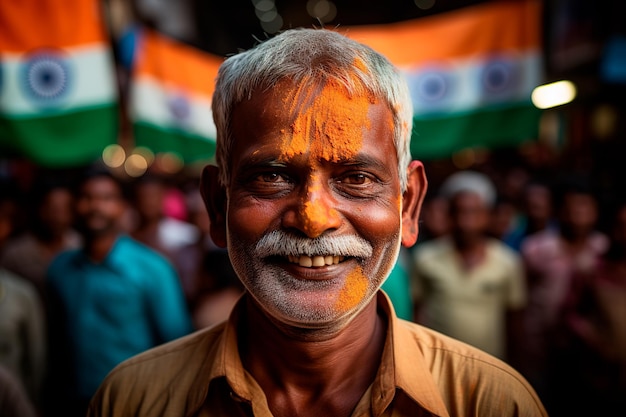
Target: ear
column 412, row 200
column 215, row 201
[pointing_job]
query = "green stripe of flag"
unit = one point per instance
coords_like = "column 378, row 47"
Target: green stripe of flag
column 190, row 147
column 69, row 139
column 440, row 137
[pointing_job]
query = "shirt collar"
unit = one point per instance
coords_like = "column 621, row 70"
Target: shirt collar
column 403, row 365
column 411, row 374
column 115, row 259
column 117, row 256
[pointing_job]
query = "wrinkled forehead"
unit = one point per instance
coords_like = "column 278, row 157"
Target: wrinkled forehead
column 324, row 120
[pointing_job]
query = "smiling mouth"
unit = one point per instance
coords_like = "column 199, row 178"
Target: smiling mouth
column 315, row 261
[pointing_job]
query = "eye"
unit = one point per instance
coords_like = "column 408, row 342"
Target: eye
column 357, row 178
column 359, row 184
column 268, row 183
column 272, row 177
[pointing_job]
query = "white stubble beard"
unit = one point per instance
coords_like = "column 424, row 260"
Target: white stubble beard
column 304, row 304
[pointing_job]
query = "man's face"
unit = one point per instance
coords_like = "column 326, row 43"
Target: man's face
column 538, row 202
column 578, row 214
column 99, row 206
column 469, row 215
column 314, row 204
column 149, row 198
column 57, row 212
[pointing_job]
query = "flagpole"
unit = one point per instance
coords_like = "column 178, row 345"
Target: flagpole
column 124, row 138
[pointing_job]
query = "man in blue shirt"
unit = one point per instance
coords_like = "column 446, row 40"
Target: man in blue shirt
column 109, row 300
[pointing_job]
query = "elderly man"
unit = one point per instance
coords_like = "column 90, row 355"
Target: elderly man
column 313, row 195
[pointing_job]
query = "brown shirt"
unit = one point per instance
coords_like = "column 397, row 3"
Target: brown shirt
column 422, row 373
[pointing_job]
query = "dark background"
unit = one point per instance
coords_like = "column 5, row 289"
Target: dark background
column 587, row 136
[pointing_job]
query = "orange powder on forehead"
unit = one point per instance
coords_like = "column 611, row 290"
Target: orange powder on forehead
column 328, row 123
column 353, row 291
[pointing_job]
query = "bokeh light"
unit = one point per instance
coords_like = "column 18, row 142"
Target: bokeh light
column 604, row 121
column 269, row 18
column 146, row 153
column 264, row 5
column 323, row 10
column 136, row 165
column 424, row 4
column 464, row 158
column 113, row 156
column 170, row 162
column 553, row 94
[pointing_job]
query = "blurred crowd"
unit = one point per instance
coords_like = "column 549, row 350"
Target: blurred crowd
column 527, row 264
column 94, row 269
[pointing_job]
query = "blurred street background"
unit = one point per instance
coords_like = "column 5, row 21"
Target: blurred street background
column 530, row 93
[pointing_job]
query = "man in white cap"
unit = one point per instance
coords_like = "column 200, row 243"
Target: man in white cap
column 465, row 284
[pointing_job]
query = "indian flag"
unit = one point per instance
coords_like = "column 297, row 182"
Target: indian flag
column 170, row 103
column 58, row 93
column 471, row 73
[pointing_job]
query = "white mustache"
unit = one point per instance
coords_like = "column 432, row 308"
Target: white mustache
column 279, row 243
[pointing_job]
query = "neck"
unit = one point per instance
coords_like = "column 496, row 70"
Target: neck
column 468, row 243
column 536, row 224
column 52, row 241
column 317, row 371
column 471, row 251
column 575, row 236
column 98, row 247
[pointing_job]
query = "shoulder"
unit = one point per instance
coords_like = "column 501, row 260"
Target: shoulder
column 142, row 254
column 503, row 253
column 470, row 379
column 16, row 285
column 540, row 241
column 63, row 261
column 170, row 376
column 126, row 243
column 19, row 246
column 167, row 356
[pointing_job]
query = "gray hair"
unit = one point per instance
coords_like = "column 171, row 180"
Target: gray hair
column 313, row 56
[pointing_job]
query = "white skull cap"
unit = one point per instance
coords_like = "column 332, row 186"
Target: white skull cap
column 470, row 181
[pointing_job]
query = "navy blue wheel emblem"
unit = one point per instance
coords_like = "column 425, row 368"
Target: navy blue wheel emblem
column 433, row 86
column 179, row 108
column 499, row 77
column 46, row 78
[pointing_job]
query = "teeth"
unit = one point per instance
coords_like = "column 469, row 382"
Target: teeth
column 318, row 261
column 315, row 261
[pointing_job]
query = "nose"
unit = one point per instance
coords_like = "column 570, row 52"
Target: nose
column 315, row 212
